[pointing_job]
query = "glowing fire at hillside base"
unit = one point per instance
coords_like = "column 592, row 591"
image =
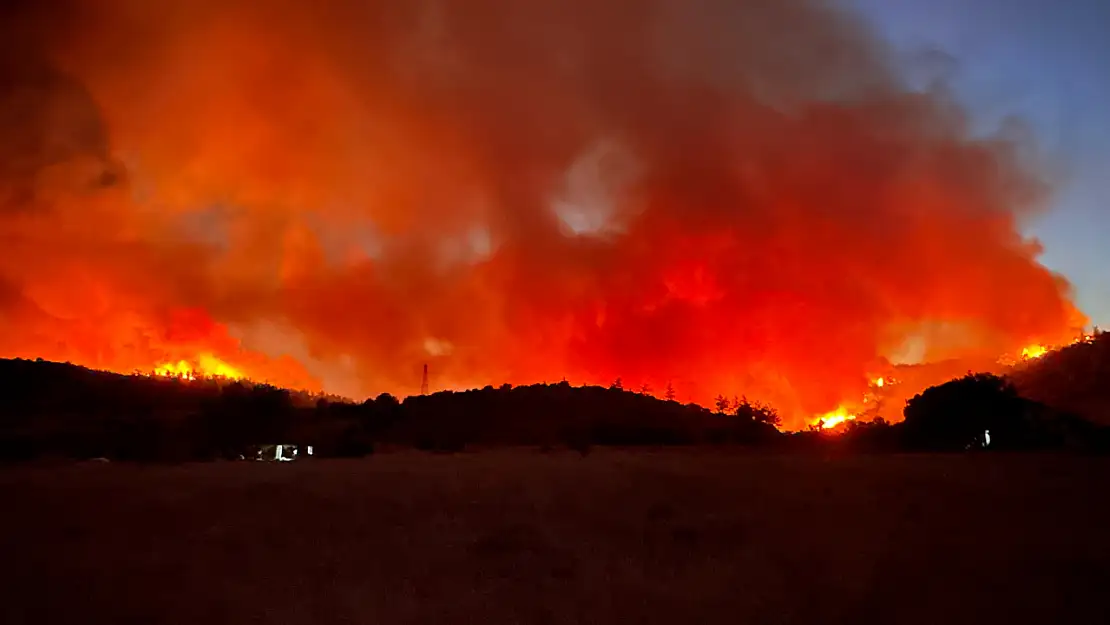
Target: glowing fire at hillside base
column 881, row 387
column 843, row 414
column 832, row 419
column 341, row 196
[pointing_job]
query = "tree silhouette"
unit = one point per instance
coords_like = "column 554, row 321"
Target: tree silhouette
column 617, row 385
column 386, row 399
column 959, row 414
column 669, row 394
column 756, row 411
column 722, row 403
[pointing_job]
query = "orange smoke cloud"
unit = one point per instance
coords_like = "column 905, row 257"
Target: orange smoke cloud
column 736, row 198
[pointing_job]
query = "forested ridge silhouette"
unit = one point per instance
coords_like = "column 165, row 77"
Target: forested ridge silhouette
column 63, row 411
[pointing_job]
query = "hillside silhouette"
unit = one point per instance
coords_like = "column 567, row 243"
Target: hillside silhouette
column 1073, row 380
column 62, row 411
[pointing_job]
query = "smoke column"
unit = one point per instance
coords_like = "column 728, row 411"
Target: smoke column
column 732, row 197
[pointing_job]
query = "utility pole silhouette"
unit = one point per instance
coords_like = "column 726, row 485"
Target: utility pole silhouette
column 424, row 381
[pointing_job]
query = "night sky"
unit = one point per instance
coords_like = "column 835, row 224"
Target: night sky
column 1048, row 63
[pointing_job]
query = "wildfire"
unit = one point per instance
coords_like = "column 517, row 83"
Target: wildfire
column 180, row 369
column 205, row 366
column 695, row 234
column 1037, row 350
column 832, row 419
column 1033, row 352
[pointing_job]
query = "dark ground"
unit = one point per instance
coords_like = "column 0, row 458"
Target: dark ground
column 524, row 537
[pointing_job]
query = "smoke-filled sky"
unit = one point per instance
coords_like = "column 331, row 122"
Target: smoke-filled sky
column 1047, row 61
column 729, row 197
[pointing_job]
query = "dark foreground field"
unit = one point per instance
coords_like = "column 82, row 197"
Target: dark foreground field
column 523, row 537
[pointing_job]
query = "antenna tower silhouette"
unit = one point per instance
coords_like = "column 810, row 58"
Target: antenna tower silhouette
column 424, row 381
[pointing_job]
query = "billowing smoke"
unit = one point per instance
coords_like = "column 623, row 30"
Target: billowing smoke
column 727, row 197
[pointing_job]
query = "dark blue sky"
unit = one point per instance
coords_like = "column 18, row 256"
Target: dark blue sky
column 1048, row 62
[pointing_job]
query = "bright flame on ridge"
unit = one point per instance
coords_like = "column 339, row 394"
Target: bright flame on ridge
column 206, row 366
column 1033, row 352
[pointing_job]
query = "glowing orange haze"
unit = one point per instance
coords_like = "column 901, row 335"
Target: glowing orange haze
column 731, row 197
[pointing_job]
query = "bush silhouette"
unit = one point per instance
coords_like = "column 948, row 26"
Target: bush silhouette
column 979, row 410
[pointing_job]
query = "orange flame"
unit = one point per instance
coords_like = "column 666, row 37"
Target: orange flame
column 1033, row 352
column 1037, row 350
column 205, row 366
column 833, row 419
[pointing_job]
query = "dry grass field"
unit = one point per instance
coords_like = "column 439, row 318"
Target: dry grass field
column 523, row 537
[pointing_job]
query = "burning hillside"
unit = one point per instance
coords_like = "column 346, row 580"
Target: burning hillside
column 727, row 197
column 206, row 366
column 1070, row 378
column 886, row 396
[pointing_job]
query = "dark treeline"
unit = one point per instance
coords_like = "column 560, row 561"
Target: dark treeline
column 51, row 410
column 61, row 411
